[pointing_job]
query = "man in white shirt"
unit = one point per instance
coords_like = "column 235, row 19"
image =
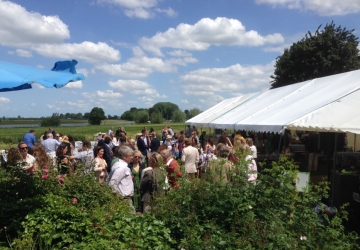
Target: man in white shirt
column 111, row 130
column 120, row 178
column 50, row 145
column 27, row 160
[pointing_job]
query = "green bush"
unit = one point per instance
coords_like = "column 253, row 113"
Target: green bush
column 43, row 210
column 206, row 214
column 50, row 122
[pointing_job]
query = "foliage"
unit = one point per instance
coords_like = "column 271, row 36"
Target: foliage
column 332, row 50
column 178, row 116
column 165, row 108
column 72, row 213
column 193, row 112
column 157, row 118
column 130, row 114
column 96, row 116
column 207, row 214
column 53, row 121
column 141, row 116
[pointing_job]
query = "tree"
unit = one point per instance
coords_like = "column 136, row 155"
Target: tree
column 178, row 116
column 157, row 118
column 165, row 108
column 332, row 50
column 193, row 112
column 186, row 113
column 141, row 116
column 96, row 116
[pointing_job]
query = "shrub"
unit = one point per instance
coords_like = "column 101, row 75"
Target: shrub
column 50, row 122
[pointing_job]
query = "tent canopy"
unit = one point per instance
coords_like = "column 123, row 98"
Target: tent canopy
column 323, row 104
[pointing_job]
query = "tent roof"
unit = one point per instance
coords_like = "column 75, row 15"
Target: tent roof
column 297, row 106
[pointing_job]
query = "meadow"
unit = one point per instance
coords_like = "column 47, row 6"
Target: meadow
column 13, row 135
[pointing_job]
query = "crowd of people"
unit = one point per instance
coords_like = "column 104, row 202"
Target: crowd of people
column 138, row 168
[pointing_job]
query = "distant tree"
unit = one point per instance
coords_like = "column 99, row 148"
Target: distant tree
column 157, row 118
column 165, row 108
column 61, row 116
column 128, row 115
column 178, row 116
column 19, row 117
column 53, row 121
column 96, row 116
column 330, row 51
column 193, row 112
column 142, row 116
column 86, row 115
column 67, row 115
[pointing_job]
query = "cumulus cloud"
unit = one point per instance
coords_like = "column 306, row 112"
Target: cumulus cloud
column 185, row 101
column 140, row 8
column 207, row 32
column 323, row 8
column 107, row 94
column 169, row 11
column 83, row 71
column 135, row 87
column 179, row 53
column 209, row 81
column 74, row 85
column 87, row 51
column 140, row 67
column 18, row 27
column 21, row 53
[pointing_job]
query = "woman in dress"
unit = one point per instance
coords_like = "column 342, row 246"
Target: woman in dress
column 100, row 164
column 64, row 164
column 210, row 146
column 149, row 183
column 136, row 166
column 42, row 159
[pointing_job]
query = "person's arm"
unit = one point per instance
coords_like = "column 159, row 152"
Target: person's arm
column 183, row 156
column 229, row 142
column 197, row 158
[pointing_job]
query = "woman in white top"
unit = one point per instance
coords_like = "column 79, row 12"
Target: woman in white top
column 253, row 150
column 100, row 165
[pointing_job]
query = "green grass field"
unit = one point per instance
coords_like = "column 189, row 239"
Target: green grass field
column 81, row 132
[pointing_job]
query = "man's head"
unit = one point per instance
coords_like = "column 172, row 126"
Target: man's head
column 143, row 131
column 32, row 131
column 23, row 148
column 187, row 142
column 111, row 135
column 153, row 134
column 125, row 153
column 164, row 152
column 50, row 136
column 86, row 145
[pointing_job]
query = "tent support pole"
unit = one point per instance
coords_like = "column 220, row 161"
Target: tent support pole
column 278, row 151
column 354, row 143
column 333, row 172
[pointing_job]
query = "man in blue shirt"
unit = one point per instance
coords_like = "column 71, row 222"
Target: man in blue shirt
column 30, row 140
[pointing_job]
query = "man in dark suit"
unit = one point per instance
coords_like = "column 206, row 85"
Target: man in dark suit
column 155, row 142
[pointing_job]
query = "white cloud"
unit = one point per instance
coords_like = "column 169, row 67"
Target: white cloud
column 4, row 100
column 87, row 51
column 169, row 11
column 140, row 67
column 140, row 8
column 136, row 87
column 179, row 53
column 207, row 32
column 21, row 53
column 211, row 81
column 18, row 27
column 323, row 8
column 185, row 101
column 74, row 85
column 102, row 95
column 37, row 85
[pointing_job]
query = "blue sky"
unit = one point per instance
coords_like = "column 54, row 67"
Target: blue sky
column 135, row 53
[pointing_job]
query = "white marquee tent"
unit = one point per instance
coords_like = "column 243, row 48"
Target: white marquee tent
column 323, row 104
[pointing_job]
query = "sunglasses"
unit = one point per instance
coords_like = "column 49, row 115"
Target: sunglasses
column 137, row 157
column 23, row 148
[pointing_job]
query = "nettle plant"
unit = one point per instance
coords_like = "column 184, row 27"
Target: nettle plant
column 271, row 214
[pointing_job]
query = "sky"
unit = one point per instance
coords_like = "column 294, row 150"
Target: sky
column 136, row 53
